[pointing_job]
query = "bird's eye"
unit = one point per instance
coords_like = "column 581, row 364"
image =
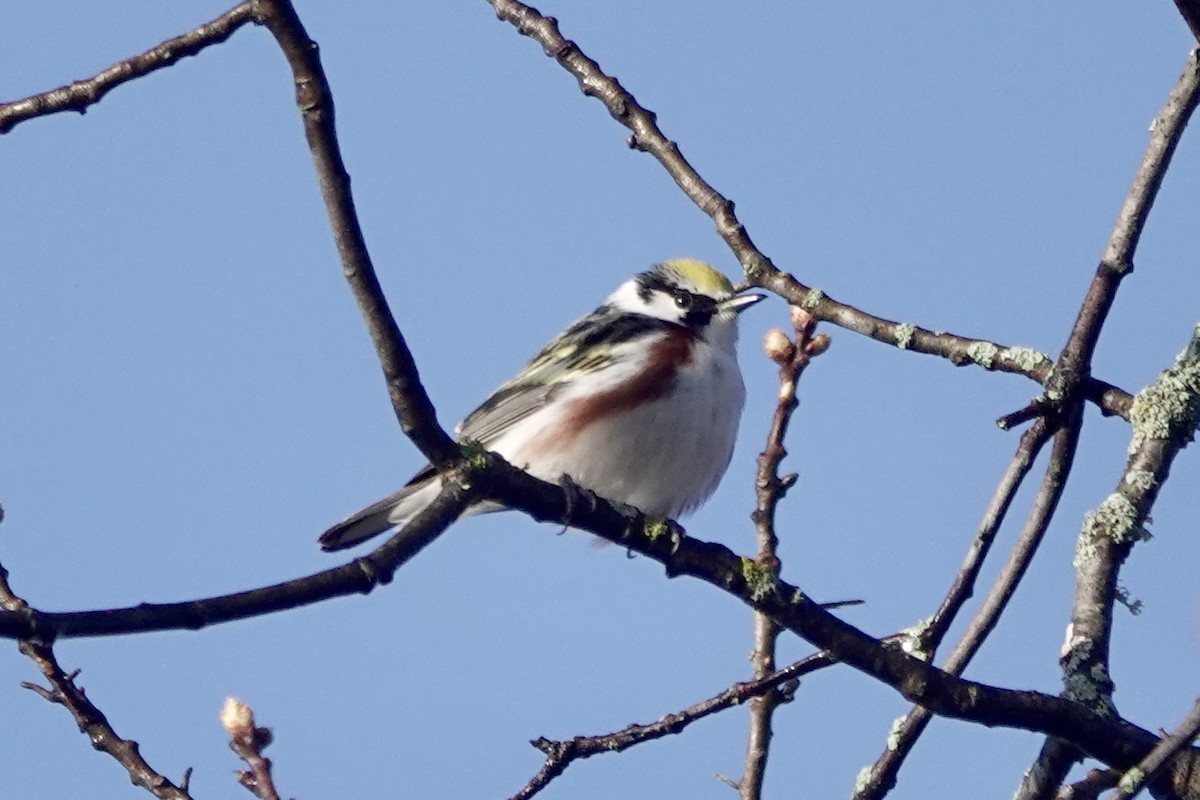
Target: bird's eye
column 683, row 299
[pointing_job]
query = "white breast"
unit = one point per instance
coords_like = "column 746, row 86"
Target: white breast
column 664, row 457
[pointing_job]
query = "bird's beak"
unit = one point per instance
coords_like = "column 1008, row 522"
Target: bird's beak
column 739, row 303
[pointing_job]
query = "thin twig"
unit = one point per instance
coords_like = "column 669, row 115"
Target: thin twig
column 561, row 754
column 1055, row 760
column 792, row 357
column 249, row 740
column 1093, row 784
column 761, row 272
column 1144, row 774
column 78, row 96
column 880, row 778
column 412, row 405
column 1074, row 363
column 91, row 720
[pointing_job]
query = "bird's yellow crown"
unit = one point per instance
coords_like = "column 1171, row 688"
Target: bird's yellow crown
column 703, row 276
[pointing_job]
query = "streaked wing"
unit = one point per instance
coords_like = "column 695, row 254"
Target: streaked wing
column 592, row 344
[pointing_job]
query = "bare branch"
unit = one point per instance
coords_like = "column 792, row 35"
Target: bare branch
column 1190, row 11
column 561, row 754
column 91, row 720
column 1055, row 759
column 412, row 405
column 357, row 577
column 646, row 136
column 880, row 778
column 1074, row 363
column 1147, row 770
column 78, row 96
column 792, row 357
column 248, row 741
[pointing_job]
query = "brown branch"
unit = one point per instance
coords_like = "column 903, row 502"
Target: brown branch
column 91, row 720
column 881, row 777
column 1190, row 11
column 248, row 741
column 1149, row 767
column 1091, row 787
column 1111, row 740
column 78, row 96
column 561, row 754
column 761, row 272
column 359, row 576
column 1074, row 364
column 412, row 405
column 792, row 359
column 1165, row 415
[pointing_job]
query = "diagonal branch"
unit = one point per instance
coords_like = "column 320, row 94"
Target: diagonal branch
column 648, row 137
column 1074, row 364
column 561, row 754
column 878, row 779
column 78, row 96
column 1149, row 767
column 90, row 719
column 412, row 405
column 357, row 577
column 1190, row 11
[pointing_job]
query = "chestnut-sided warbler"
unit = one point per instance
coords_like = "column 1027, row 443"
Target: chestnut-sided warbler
column 639, row 402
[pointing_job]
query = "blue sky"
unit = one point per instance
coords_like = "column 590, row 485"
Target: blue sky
column 189, row 396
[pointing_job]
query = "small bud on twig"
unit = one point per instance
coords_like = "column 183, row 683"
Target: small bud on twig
column 818, row 344
column 778, row 346
column 237, row 718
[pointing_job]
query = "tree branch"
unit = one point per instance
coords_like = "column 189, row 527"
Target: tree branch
column 91, row 720
column 1074, row 363
column 877, row 780
column 561, row 754
column 412, row 405
column 792, row 358
column 78, row 96
column 1149, row 767
column 761, row 272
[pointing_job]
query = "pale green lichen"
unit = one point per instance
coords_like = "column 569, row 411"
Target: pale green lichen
column 812, row 299
column 904, row 335
column 1131, row 782
column 914, row 639
column 983, row 353
column 1169, row 408
column 475, row 454
column 761, row 580
column 656, row 527
column 863, row 779
column 893, row 737
column 799, row 598
column 1114, row 519
column 1024, row 358
column 1140, row 479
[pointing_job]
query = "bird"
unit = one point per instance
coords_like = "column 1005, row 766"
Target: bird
column 638, row 402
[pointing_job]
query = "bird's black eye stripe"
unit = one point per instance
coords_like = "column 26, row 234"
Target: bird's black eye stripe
column 650, row 282
column 700, row 310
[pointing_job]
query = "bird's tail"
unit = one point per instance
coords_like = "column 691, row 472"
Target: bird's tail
column 390, row 512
